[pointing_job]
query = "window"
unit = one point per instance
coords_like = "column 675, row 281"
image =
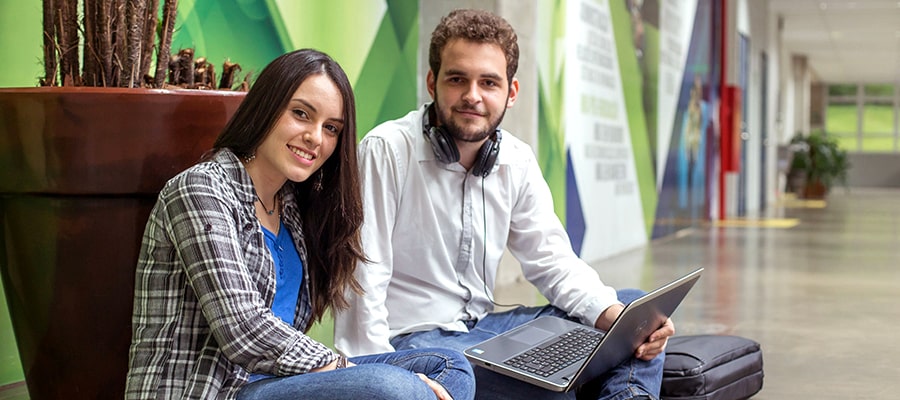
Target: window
column 863, row 118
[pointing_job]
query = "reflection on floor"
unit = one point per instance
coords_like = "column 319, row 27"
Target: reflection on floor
column 820, row 296
column 14, row 391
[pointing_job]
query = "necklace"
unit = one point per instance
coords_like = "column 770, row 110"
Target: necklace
column 268, row 211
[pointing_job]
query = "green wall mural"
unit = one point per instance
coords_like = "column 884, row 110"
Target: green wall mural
column 20, row 43
column 551, row 148
column 379, row 55
column 639, row 87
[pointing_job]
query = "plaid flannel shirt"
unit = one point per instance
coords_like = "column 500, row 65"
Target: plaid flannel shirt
column 204, row 287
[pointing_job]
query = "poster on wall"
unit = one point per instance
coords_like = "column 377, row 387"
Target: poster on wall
column 687, row 118
column 603, row 199
column 627, row 95
column 676, row 22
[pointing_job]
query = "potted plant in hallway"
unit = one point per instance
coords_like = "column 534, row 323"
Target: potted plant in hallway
column 818, row 164
column 82, row 159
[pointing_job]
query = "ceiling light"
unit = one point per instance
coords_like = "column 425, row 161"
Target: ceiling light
column 823, row 5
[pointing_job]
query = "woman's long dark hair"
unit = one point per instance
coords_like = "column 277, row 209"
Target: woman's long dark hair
column 331, row 216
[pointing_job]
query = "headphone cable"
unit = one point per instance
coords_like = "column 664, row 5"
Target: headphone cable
column 484, row 254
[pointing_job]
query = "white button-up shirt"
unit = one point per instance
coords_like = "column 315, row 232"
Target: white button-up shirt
column 435, row 234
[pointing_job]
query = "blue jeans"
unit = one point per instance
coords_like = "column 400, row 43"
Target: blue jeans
column 631, row 378
column 378, row 376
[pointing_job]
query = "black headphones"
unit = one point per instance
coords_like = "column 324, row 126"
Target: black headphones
column 445, row 147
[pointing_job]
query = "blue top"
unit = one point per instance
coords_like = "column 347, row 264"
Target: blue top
column 288, row 277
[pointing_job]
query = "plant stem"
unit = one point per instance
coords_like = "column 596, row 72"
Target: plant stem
column 149, row 37
column 118, row 43
column 165, row 41
column 50, row 49
column 67, row 38
column 135, row 12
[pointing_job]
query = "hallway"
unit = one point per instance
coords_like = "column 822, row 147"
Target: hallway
column 821, row 297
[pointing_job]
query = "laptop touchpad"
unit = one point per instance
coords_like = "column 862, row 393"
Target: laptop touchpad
column 531, row 335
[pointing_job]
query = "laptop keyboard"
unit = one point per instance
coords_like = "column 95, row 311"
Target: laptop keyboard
column 547, row 359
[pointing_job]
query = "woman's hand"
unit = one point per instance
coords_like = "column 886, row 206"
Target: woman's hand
column 439, row 390
column 331, row 366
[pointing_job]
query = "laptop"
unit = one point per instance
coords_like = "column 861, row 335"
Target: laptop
column 521, row 352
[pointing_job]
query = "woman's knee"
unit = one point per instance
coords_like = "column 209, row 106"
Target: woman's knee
column 366, row 381
column 384, row 381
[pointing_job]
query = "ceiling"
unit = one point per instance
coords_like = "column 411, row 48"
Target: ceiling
column 844, row 41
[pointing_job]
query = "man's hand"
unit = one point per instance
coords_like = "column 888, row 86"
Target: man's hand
column 439, row 390
column 656, row 343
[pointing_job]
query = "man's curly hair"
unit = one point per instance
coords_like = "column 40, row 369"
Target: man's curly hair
column 477, row 26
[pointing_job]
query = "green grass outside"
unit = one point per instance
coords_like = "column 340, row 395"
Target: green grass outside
column 878, row 119
column 846, row 141
column 840, row 118
column 877, row 144
column 878, row 127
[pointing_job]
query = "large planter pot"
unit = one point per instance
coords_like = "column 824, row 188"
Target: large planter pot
column 80, row 169
column 815, row 190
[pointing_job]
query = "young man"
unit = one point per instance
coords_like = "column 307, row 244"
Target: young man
column 444, row 191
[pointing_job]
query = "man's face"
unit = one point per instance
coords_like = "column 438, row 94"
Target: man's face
column 470, row 92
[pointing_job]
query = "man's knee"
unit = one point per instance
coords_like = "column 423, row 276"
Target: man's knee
column 628, row 295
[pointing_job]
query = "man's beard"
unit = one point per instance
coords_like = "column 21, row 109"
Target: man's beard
column 457, row 132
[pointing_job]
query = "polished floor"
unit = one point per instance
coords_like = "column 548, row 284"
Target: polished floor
column 816, row 283
column 821, row 297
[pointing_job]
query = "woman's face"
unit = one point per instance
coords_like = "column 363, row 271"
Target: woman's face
column 306, row 133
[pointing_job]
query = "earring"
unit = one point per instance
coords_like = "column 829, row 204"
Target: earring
column 249, row 158
column 317, row 185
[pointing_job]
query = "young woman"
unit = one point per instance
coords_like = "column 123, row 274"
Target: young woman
column 245, row 250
